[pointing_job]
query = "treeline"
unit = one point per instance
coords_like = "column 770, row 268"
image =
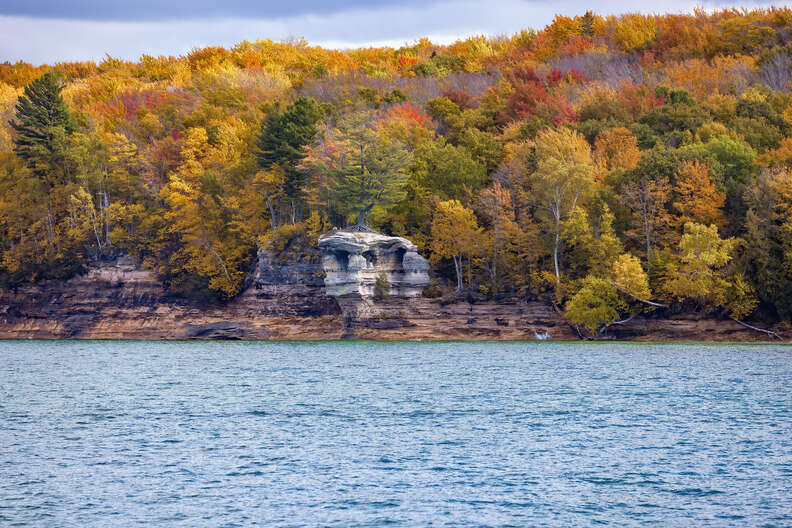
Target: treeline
column 613, row 164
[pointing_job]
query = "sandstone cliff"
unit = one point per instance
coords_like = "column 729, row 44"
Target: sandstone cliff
column 354, row 260
column 288, row 301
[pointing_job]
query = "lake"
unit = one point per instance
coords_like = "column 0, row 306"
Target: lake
column 208, row 434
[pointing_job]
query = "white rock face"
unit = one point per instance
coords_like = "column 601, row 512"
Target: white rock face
column 352, row 262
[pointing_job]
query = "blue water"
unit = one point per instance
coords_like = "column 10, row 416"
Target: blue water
column 360, row 434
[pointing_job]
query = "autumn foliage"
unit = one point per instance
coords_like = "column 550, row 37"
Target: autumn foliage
column 608, row 165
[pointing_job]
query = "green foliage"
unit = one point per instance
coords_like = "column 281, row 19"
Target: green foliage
column 42, row 124
column 674, row 118
column 284, row 134
column 450, row 172
column 382, row 287
column 370, row 171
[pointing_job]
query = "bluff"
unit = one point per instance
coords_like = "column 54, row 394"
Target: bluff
column 327, row 293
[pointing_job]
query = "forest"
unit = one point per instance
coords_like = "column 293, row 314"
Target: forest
column 609, row 165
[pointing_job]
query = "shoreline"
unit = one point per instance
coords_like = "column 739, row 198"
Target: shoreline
column 398, row 342
column 116, row 301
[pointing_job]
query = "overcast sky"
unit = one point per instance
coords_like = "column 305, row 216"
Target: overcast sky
column 46, row 31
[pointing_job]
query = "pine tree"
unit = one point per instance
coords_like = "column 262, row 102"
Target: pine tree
column 374, row 174
column 587, row 24
column 42, row 123
column 283, row 136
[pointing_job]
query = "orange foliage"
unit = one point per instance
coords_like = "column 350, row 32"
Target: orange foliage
column 616, row 148
column 697, row 199
column 777, row 158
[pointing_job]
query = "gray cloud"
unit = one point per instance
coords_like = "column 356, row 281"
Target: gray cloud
column 152, row 10
column 44, row 40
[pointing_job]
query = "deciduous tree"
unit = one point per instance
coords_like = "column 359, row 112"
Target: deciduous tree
column 455, row 233
column 562, row 181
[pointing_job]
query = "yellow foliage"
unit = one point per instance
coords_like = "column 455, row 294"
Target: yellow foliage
column 455, row 230
column 754, row 95
column 700, row 273
column 633, row 31
column 629, row 275
column 616, row 148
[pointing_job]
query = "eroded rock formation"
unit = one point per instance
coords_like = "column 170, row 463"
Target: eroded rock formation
column 353, row 260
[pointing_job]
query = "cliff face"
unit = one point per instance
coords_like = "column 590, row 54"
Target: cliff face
column 120, row 301
column 288, row 301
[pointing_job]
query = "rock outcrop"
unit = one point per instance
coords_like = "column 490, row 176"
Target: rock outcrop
column 353, row 260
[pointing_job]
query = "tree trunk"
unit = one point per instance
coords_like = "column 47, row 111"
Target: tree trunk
column 273, row 220
column 556, row 243
column 457, row 267
column 361, row 221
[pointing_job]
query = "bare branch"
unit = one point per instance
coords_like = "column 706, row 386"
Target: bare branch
column 768, row 332
column 650, row 303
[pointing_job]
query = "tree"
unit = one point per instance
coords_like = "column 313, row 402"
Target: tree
column 700, row 275
column 695, row 197
column 455, row 233
column 767, row 258
column 212, row 242
column 616, row 148
column 504, row 242
column 284, row 134
column 596, row 304
column 42, row 124
column 633, row 32
column 735, row 159
column 600, row 301
column 629, row 277
column 646, row 198
column 367, row 170
column 592, row 249
column 449, row 171
column 563, row 177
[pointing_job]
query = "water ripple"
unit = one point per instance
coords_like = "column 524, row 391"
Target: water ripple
column 394, row 434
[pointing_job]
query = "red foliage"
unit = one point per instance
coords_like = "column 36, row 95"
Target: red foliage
column 462, row 99
column 638, row 99
column 404, row 63
column 409, row 114
column 574, row 76
column 534, row 98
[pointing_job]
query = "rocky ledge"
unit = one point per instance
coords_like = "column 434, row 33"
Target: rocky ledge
column 290, row 300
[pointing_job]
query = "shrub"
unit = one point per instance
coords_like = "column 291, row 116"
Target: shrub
column 382, row 286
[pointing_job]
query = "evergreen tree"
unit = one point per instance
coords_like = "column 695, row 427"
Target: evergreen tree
column 587, row 24
column 374, row 174
column 283, row 136
column 42, row 123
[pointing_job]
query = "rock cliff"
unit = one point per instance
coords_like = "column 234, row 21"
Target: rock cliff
column 287, row 300
column 353, row 260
